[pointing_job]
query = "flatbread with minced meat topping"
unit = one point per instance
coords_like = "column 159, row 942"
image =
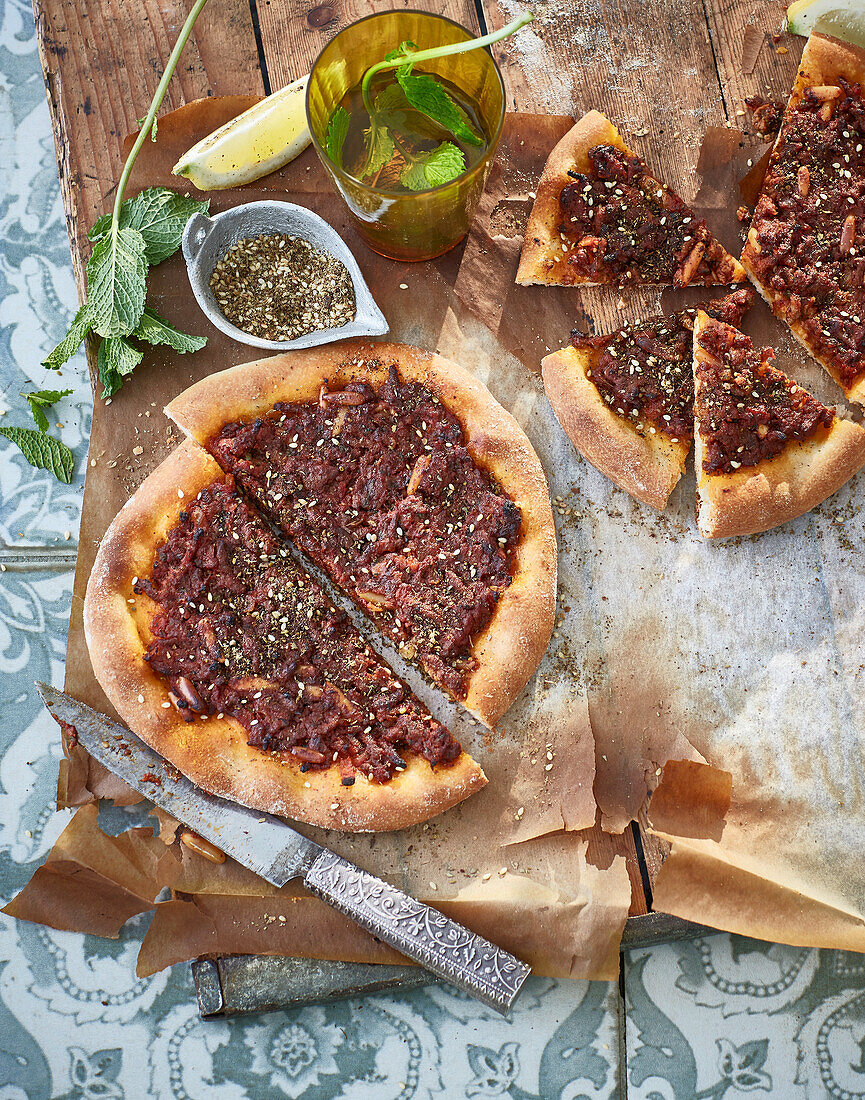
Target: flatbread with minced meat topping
column 805, row 251
column 766, row 450
column 626, row 400
column 402, row 478
column 225, row 656
column 600, row 217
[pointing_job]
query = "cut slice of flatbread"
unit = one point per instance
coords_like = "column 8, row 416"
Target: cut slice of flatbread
column 259, row 648
column 626, row 400
column 805, row 251
column 766, row 450
column 601, row 218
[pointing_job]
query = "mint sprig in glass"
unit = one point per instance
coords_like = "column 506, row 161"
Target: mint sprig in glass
column 405, row 110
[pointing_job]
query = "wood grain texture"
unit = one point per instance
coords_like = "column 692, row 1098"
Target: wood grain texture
column 102, row 61
column 775, row 67
column 294, row 32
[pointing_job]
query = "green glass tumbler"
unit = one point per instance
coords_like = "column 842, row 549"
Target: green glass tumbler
column 399, row 225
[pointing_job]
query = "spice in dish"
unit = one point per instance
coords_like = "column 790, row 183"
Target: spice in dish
column 278, row 287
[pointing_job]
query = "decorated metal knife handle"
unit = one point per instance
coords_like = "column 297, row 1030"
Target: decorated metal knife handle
column 444, row 947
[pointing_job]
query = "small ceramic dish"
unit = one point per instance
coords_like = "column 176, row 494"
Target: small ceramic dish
column 206, row 240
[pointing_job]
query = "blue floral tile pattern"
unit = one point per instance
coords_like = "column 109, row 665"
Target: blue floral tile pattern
column 726, row 1015
column 718, row 1017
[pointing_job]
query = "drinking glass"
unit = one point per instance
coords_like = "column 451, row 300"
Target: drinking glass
column 417, row 225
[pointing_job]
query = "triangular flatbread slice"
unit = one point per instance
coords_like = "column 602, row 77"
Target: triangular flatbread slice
column 805, row 251
column 766, row 450
column 601, row 218
column 626, row 400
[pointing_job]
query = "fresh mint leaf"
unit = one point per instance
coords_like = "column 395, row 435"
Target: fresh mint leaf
column 426, row 95
column 155, row 330
column 160, row 215
column 116, row 281
column 40, row 400
column 337, row 131
column 404, row 49
column 42, row 451
column 379, row 148
column 117, row 358
column 71, row 342
column 442, row 165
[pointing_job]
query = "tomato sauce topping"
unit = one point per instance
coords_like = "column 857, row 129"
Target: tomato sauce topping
column 810, row 224
column 748, row 411
column 243, row 631
column 380, row 490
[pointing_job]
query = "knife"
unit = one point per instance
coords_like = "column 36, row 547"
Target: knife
column 272, row 849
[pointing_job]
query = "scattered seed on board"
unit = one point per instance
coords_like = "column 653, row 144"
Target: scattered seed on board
column 279, row 287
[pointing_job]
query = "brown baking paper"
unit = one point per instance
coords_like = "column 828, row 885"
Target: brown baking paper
column 740, row 661
column 512, row 861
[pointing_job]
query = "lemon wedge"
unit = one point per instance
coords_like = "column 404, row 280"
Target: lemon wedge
column 844, row 19
column 259, row 141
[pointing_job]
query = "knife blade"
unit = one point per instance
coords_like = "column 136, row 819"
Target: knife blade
column 274, row 850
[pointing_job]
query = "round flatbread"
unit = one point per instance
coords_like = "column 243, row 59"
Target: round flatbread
column 213, row 750
column 506, row 652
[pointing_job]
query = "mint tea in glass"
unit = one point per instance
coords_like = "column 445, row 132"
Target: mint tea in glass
column 407, row 145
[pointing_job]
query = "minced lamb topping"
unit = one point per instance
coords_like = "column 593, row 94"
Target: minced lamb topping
column 810, row 224
column 645, row 371
column 380, row 490
column 243, row 631
column 747, row 410
column 624, row 222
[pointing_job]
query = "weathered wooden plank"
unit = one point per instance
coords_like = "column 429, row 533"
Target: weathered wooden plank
column 102, row 60
column 650, row 67
column 294, row 32
column 775, row 65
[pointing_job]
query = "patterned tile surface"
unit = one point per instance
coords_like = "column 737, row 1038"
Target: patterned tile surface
column 726, row 1015
column 714, row 1018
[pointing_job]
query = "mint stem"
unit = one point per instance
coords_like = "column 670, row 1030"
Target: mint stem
column 150, row 117
column 440, row 51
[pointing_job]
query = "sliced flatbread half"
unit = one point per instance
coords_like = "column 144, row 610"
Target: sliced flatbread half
column 766, row 450
column 626, row 401
column 601, row 218
column 400, row 476
column 805, row 251
column 224, row 655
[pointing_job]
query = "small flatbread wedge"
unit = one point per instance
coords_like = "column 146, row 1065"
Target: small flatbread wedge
column 805, row 251
column 398, row 474
column 219, row 651
column 600, row 217
column 766, row 450
column 626, row 401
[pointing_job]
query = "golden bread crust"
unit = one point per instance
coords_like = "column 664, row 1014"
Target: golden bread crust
column 646, row 466
column 824, row 60
column 510, row 648
column 542, row 259
column 756, row 498
column 214, row 753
